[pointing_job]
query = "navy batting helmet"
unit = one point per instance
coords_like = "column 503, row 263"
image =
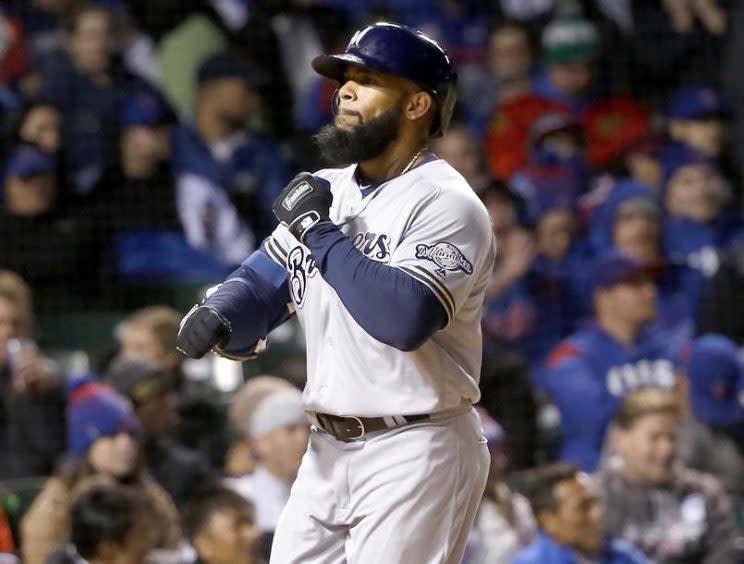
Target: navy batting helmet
column 404, row 52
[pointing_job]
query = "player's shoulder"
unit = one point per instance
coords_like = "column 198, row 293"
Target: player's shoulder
column 448, row 190
column 336, row 176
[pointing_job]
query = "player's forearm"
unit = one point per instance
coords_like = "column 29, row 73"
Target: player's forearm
column 391, row 306
column 253, row 299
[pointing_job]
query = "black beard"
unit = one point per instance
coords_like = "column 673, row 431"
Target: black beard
column 342, row 147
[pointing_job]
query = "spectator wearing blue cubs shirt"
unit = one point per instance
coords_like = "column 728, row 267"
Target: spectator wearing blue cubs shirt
column 588, row 374
column 699, row 222
column 630, row 220
column 226, row 178
column 88, row 87
column 570, row 515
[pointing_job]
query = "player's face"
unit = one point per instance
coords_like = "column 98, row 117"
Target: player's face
column 577, row 519
column 649, row 448
column 230, row 537
column 281, row 450
column 369, row 117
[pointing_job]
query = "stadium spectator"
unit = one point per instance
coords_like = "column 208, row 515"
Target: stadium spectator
column 599, row 365
column 88, row 87
column 505, row 75
column 149, row 335
column 721, row 309
column 699, row 223
column 696, row 116
column 40, row 125
column 152, row 389
column 669, row 512
column 221, row 527
column 32, row 408
column 103, row 445
column 462, row 149
column 504, row 522
column 227, row 179
column 630, row 220
column 273, row 421
column 570, row 517
column 540, row 307
column 52, row 239
column 108, row 525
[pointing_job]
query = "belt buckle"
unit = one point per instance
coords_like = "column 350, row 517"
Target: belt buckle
column 362, row 430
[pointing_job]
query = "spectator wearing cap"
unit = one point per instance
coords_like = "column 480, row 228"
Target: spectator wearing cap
column 47, row 237
column 227, row 178
column 103, row 436
column 696, row 115
column 570, row 49
column 671, row 513
column 631, row 220
column 599, row 365
column 504, row 522
column 152, row 389
column 277, row 429
column 88, row 87
column 570, row 515
column 136, row 198
column 711, row 381
column 699, row 222
column 549, row 286
column 714, row 371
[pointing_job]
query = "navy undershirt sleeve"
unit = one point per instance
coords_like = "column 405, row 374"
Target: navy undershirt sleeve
column 387, row 303
column 254, row 299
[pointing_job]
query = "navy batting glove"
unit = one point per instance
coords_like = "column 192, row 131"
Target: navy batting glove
column 202, row 329
column 303, row 204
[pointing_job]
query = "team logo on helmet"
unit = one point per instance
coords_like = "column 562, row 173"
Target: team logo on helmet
column 446, row 256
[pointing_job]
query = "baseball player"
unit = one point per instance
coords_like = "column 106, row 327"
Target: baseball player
column 385, row 262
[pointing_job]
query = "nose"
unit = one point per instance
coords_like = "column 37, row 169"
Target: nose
column 347, row 91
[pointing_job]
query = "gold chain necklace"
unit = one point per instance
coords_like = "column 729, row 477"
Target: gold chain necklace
column 413, row 160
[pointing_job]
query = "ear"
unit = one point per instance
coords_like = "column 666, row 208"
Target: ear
column 546, row 520
column 418, row 105
column 617, row 438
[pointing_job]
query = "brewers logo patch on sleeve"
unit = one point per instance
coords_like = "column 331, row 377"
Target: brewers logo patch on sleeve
column 446, row 256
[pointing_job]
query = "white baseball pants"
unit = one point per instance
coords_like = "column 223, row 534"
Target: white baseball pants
column 401, row 496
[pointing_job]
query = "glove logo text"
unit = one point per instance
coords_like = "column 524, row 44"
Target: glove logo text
column 299, row 192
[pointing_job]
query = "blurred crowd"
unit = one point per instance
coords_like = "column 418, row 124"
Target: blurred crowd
column 144, row 142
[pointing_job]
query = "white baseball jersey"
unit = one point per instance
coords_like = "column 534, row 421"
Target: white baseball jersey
column 429, row 223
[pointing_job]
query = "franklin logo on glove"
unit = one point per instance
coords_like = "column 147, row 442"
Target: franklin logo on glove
column 304, row 204
column 296, row 195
